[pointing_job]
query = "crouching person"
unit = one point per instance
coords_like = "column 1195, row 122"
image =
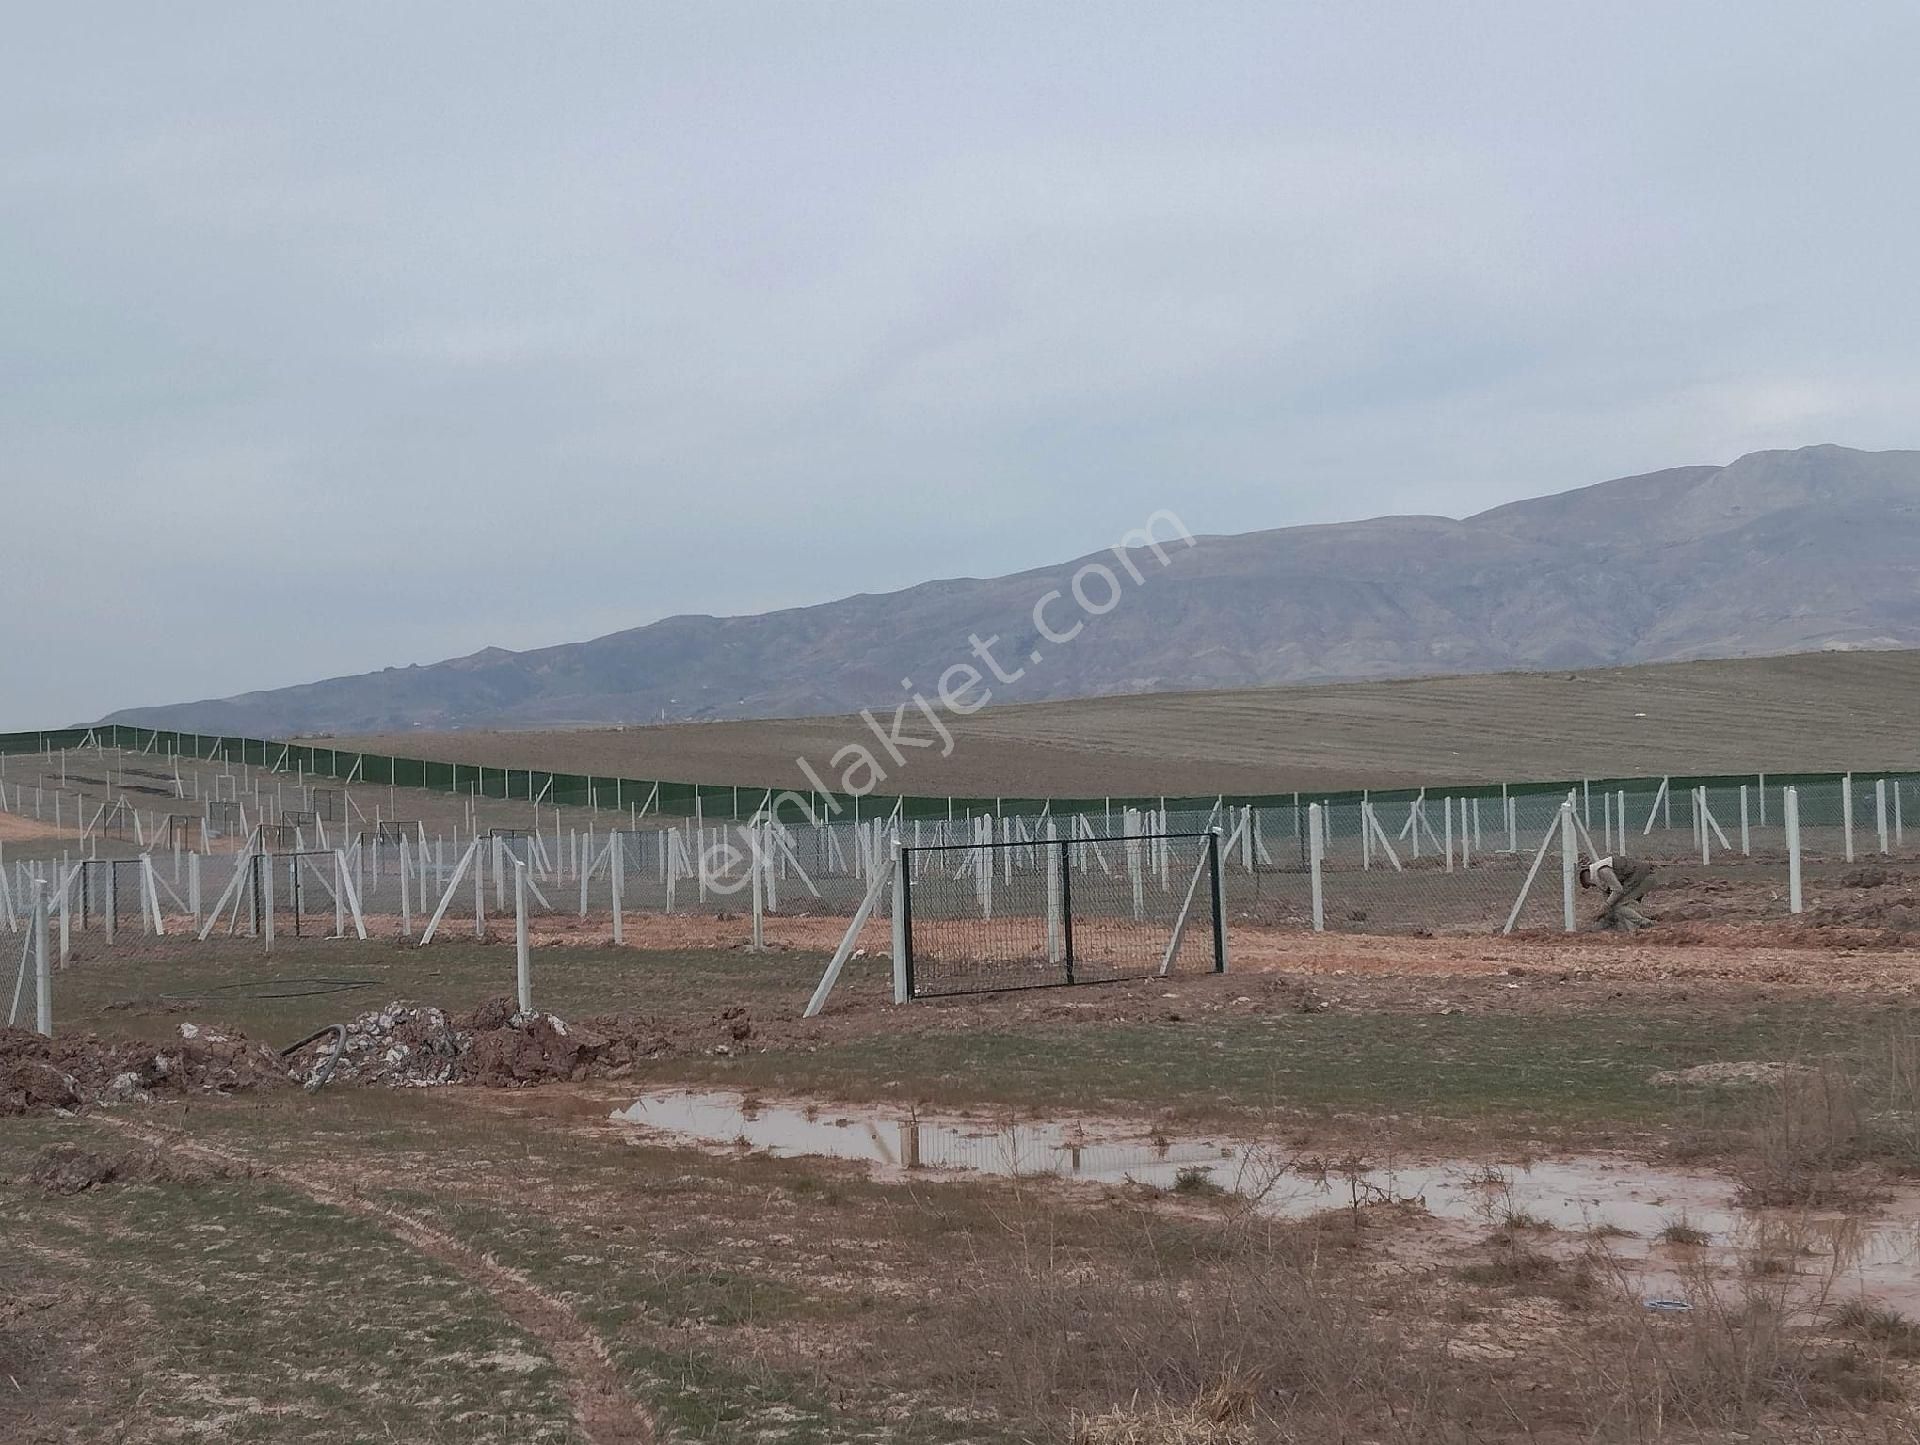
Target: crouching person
column 1624, row 881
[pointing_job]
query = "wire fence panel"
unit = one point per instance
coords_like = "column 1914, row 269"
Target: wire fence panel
column 994, row 915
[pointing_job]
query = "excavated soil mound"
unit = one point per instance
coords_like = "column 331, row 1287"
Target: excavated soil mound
column 69, row 1169
column 77, row 1072
column 411, row 1045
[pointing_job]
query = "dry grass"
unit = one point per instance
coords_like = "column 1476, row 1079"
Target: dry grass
column 1267, row 1335
column 1737, row 1361
column 1809, row 1135
column 1887, row 1328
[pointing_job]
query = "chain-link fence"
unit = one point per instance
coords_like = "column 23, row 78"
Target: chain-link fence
column 993, row 915
column 1404, row 862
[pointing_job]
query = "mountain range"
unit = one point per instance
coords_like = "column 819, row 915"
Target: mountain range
column 1777, row 552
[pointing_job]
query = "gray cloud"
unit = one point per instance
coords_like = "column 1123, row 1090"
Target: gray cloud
column 337, row 338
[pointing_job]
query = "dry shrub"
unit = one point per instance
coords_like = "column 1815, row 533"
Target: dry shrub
column 1737, row 1360
column 1812, row 1128
column 1271, row 1338
column 1158, row 1425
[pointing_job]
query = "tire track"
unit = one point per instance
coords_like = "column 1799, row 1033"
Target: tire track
column 605, row 1413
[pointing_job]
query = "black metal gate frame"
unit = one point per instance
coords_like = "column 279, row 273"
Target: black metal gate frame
column 1214, row 890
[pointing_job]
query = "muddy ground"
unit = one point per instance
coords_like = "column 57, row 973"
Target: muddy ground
column 219, row 1253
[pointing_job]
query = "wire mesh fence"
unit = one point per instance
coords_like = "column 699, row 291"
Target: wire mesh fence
column 994, row 915
column 1412, row 862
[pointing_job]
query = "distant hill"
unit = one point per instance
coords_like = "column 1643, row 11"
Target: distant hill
column 1782, row 551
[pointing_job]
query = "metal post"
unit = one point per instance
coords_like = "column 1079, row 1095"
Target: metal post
column 1066, row 905
column 1700, row 812
column 1746, row 829
column 1794, row 897
column 523, row 957
column 1569, row 865
column 1316, row 849
column 1219, row 903
column 1880, row 816
column 902, row 919
column 1054, row 865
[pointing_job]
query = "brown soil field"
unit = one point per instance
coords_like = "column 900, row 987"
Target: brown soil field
column 1810, row 713
column 17, row 829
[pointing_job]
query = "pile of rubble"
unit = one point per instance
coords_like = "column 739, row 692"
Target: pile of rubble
column 401, row 1045
column 406, row 1045
column 39, row 1075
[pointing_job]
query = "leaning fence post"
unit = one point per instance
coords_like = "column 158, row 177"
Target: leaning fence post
column 42, row 963
column 522, row 955
column 1569, row 864
column 1792, row 807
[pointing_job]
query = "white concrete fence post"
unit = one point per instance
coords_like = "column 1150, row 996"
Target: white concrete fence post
column 1316, row 855
column 522, row 954
column 1569, row 865
column 617, row 878
column 1792, row 809
column 42, row 963
column 1846, row 812
column 264, row 861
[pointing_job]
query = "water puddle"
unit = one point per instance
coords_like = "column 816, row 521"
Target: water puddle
column 1628, row 1203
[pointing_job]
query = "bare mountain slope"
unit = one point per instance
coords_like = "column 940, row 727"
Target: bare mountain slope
column 1777, row 552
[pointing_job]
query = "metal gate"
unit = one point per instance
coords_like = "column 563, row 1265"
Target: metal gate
column 991, row 915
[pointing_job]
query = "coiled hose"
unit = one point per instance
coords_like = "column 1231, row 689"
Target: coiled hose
column 324, row 1072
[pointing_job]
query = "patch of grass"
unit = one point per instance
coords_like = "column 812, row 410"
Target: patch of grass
column 1683, row 1233
column 1502, row 1074
column 266, row 1309
column 1520, row 1221
column 1880, row 1325
column 1197, row 1179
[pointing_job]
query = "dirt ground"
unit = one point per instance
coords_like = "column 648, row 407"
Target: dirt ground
column 15, row 828
column 213, row 1251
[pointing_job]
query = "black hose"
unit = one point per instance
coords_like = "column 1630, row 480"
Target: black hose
column 325, row 1071
column 271, row 988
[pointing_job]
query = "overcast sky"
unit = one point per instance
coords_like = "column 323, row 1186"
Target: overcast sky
column 335, row 337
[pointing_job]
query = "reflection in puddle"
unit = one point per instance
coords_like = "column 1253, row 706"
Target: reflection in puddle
column 1630, row 1201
